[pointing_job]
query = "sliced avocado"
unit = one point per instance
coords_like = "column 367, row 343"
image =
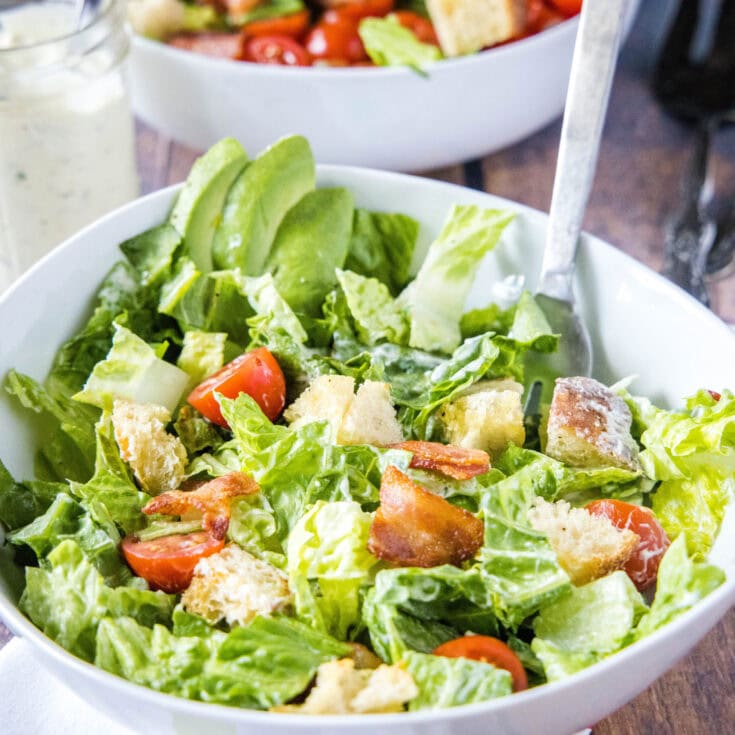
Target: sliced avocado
column 199, row 205
column 258, row 202
column 311, row 243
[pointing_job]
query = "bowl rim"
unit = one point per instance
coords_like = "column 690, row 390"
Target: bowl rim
column 724, row 596
column 567, row 27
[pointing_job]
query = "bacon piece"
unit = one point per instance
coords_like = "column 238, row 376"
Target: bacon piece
column 218, row 45
column 448, row 459
column 415, row 528
column 212, row 500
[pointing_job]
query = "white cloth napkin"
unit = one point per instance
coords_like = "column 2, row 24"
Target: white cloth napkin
column 33, row 702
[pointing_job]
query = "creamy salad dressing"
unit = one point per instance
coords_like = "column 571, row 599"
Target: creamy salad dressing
column 66, row 134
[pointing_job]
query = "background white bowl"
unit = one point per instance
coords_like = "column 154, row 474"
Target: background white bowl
column 388, row 118
column 640, row 324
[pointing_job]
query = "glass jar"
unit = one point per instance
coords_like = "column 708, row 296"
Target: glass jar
column 67, row 151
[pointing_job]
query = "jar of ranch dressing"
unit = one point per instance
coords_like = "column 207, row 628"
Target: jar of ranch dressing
column 67, row 150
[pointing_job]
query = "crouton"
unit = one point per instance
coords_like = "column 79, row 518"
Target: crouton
column 367, row 417
column 488, row 416
column 589, row 426
column 234, row 586
column 466, row 26
column 371, row 418
column 157, row 458
column 342, row 689
column 156, row 18
column 587, row 546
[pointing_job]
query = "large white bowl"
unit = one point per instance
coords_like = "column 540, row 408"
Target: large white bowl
column 388, row 118
column 640, row 324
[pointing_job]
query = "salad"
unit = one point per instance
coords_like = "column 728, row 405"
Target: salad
column 283, row 468
column 344, row 32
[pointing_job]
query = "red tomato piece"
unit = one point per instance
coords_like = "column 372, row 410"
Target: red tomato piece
column 359, row 9
column 256, row 373
column 293, row 25
column 421, row 27
column 642, row 566
column 715, row 395
column 167, row 563
column 335, row 36
column 219, row 45
column 567, row 7
column 277, row 50
column 488, row 650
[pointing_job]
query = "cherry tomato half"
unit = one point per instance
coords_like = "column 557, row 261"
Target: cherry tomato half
column 422, row 28
column 490, row 651
column 278, row 50
column 359, row 9
column 167, row 563
column 642, row 567
column 568, row 7
column 293, row 25
column 335, row 36
column 256, row 373
column 715, row 395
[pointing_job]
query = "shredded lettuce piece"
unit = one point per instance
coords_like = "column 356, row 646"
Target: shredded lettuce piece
column 388, row 43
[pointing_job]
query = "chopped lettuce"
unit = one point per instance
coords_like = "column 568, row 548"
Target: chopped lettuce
column 151, row 253
column 264, row 664
column 67, row 599
column 133, row 370
column 388, row 43
column 268, row 302
column 450, row 682
column 20, row 503
column 328, row 546
column 435, row 299
column 202, row 354
column 682, row 582
column 382, row 247
column 376, row 315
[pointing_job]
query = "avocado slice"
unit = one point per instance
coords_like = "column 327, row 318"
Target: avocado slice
column 199, row 205
column 311, row 243
column 258, row 202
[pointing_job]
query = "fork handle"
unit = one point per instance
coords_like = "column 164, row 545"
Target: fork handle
column 690, row 233
column 593, row 66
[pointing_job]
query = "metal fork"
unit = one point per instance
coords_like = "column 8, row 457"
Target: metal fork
column 695, row 80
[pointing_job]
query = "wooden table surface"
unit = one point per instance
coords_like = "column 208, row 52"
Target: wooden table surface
column 642, row 156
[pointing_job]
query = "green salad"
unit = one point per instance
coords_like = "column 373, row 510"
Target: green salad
column 282, row 467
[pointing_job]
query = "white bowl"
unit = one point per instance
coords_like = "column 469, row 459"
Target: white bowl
column 388, row 118
column 640, row 324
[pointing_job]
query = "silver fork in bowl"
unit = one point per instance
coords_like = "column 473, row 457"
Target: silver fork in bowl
column 694, row 80
column 593, row 66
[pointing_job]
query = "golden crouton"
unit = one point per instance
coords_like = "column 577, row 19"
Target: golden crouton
column 157, row 458
column 489, row 416
column 466, row 26
column 367, row 417
column 234, row 586
column 342, row 689
column 587, row 546
column 589, row 426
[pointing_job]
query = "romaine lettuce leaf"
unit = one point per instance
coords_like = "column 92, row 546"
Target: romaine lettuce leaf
column 254, row 527
column 133, row 370
column 67, row 598
column 202, row 354
column 388, row 43
column 681, row 584
column 328, row 545
column 262, row 665
column 66, row 442
column 376, row 315
column 382, row 247
column 66, row 518
column 435, row 299
column 268, row 302
column 20, row 502
column 450, row 682
column 692, row 453
column 195, row 432
column 152, row 252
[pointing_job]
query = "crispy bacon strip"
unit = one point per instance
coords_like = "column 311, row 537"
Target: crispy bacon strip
column 448, row 459
column 415, row 528
column 216, row 44
column 212, row 500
